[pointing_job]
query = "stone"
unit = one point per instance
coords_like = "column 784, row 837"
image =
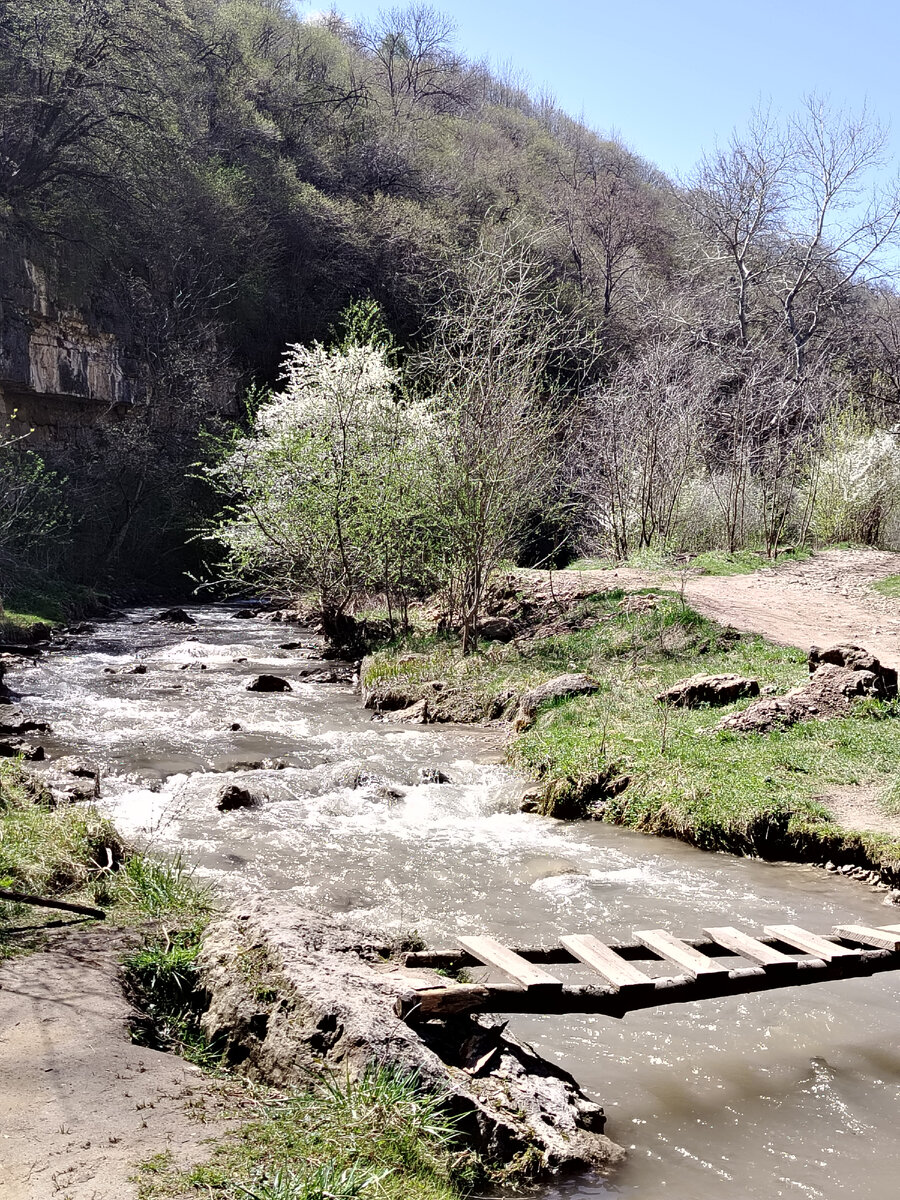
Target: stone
column 12, row 747
column 829, row 693
column 269, row 683
column 497, row 629
column 174, row 616
column 324, row 996
column 855, row 658
column 415, row 714
column 232, row 796
column 562, row 687
column 708, row 689
column 432, row 775
column 15, row 723
column 70, row 780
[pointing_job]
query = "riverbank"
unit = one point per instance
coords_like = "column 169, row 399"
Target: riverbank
column 618, row 754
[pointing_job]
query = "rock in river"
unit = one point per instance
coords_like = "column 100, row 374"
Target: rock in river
column 269, row 683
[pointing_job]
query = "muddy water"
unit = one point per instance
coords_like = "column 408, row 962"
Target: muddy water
column 792, row 1093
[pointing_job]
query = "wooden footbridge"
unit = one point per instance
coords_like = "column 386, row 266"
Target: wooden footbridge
column 784, row 956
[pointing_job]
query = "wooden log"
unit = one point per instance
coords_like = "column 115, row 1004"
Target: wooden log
column 681, row 989
column 679, row 952
column 882, row 939
column 44, row 902
column 599, row 957
column 749, row 947
column 809, row 943
column 494, row 954
column 442, row 1002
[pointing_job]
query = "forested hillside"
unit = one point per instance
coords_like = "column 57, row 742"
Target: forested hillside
column 720, row 355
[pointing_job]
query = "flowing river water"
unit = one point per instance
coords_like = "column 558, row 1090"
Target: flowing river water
column 787, row 1093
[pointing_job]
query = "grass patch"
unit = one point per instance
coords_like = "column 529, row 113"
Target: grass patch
column 382, row 1135
column 708, row 562
column 72, row 851
column 889, row 586
column 28, row 613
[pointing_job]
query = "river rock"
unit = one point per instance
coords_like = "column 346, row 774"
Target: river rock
column 174, row 616
column 415, row 714
column 292, row 992
column 12, row 747
column 432, row 775
column 232, row 796
column 563, row 687
column 269, row 683
column 15, row 723
column 708, row 689
column 497, row 629
column 70, row 780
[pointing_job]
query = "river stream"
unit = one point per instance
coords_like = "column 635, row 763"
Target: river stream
column 787, row 1093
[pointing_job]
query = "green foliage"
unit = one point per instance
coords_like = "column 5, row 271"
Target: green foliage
column 383, row 1134
column 159, row 888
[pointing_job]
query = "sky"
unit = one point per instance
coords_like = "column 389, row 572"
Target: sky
column 670, row 77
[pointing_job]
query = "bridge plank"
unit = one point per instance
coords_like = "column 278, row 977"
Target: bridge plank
column 494, row 954
column 809, row 943
column 890, row 928
column 604, row 960
column 881, row 939
column 749, row 947
column 664, row 943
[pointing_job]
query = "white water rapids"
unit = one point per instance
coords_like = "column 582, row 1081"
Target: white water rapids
column 788, row 1093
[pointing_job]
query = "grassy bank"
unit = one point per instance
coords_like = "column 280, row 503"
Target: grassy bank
column 621, row 756
column 707, row 562
column 28, row 614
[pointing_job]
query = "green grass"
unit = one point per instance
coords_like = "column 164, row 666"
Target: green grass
column 26, row 611
column 749, row 794
column 72, row 851
column 382, row 1135
column 890, row 586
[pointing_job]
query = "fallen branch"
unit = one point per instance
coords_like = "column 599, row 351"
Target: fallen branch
column 43, row 902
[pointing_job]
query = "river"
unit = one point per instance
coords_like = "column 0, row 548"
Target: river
column 788, row 1093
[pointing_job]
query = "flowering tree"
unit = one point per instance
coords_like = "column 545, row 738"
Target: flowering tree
column 327, row 490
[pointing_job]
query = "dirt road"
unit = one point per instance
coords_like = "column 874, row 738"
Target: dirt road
column 80, row 1105
column 826, row 599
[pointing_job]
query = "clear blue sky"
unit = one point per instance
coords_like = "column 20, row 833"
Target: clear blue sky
column 669, row 76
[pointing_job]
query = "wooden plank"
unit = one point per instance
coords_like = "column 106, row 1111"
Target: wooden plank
column 890, row 928
column 749, row 947
column 664, row 943
column 493, row 954
column 809, row 943
column 881, row 939
column 605, row 961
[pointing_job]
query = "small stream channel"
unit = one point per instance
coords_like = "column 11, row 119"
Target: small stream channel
column 793, row 1093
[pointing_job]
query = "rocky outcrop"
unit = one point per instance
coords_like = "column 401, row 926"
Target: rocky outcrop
column 708, row 689
column 174, row 616
column 70, row 780
column 830, row 692
column 293, row 993
column 232, row 796
column 563, row 687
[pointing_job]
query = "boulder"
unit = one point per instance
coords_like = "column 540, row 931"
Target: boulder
column 563, row 687
column 174, row 616
column 232, row 796
column 829, row 693
column 432, row 775
column 708, row 689
column 12, row 747
column 855, row 658
column 415, row 714
column 15, row 723
column 321, row 996
column 269, row 683
column 497, row 629
column 71, row 780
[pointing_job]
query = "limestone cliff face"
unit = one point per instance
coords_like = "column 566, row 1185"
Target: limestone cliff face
column 61, row 373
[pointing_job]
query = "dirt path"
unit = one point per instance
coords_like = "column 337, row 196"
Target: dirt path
column 80, row 1105
column 825, row 599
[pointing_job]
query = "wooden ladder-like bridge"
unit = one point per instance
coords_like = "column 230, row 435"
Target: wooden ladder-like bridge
column 784, row 956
